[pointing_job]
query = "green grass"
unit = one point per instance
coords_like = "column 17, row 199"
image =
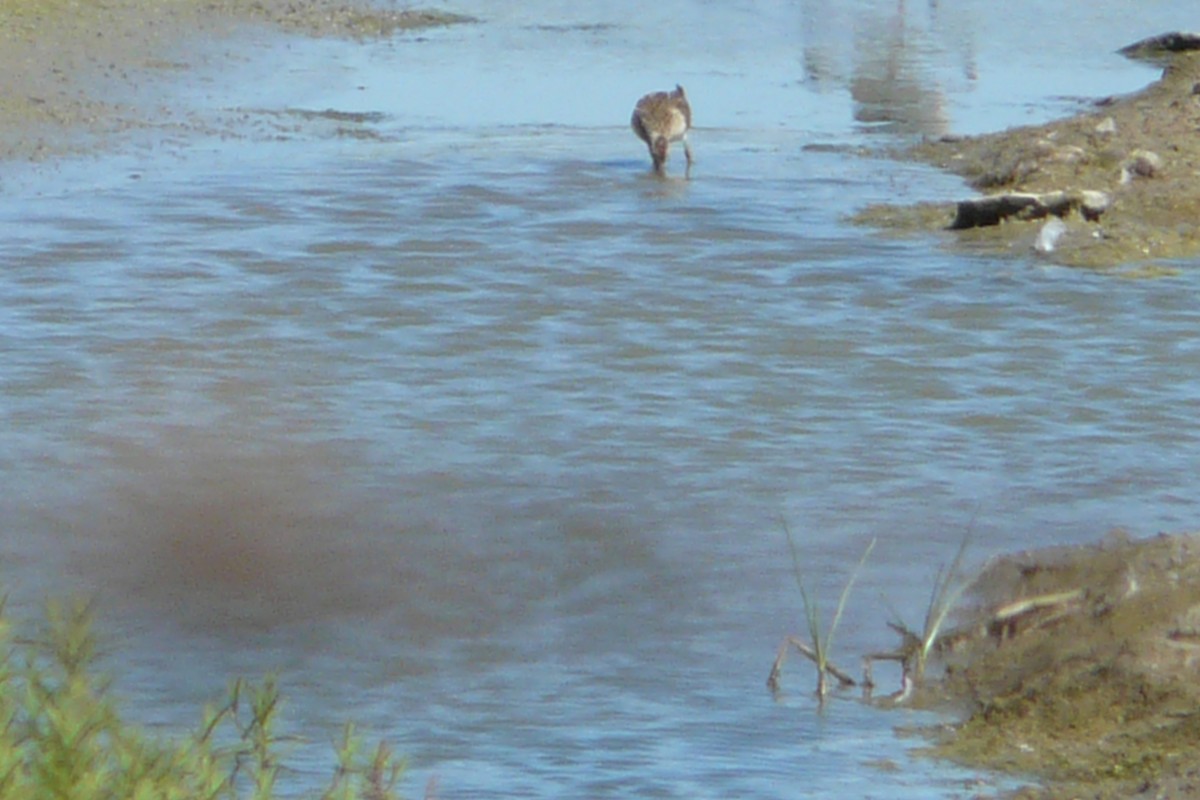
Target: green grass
column 61, row 735
column 820, row 639
column 948, row 586
column 916, row 648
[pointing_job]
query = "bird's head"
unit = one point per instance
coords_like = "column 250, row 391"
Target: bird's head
column 658, row 151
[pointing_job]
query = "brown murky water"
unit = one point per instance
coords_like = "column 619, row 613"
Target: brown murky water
column 481, row 435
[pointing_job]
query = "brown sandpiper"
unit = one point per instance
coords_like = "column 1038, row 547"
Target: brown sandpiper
column 661, row 118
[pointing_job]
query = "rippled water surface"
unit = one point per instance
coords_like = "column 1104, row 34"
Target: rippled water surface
column 448, row 411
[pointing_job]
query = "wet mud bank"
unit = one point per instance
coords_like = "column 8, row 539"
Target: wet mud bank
column 76, row 76
column 1116, row 185
column 1076, row 667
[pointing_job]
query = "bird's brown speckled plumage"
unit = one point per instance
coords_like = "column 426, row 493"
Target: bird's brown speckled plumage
column 661, row 118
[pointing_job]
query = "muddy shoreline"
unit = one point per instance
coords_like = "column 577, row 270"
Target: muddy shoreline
column 1138, row 154
column 1074, row 669
column 77, row 78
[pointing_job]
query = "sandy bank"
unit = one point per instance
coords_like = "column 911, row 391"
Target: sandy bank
column 1139, row 154
column 74, row 74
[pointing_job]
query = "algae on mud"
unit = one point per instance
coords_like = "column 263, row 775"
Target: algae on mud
column 1093, row 691
column 1155, row 213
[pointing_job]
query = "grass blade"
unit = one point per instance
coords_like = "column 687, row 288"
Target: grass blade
column 819, row 648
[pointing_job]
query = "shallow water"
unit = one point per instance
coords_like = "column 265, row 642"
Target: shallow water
column 482, row 436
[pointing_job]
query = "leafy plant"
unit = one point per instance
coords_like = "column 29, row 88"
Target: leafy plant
column 62, row 737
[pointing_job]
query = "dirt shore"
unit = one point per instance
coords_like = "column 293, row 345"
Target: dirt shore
column 1076, row 667
column 74, row 75
column 1137, row 157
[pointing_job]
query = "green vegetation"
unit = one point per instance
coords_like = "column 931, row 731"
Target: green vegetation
column 62, row 737
column 819, row 641
column 948, row 586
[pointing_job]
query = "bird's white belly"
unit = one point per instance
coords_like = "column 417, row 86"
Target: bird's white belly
column 676, row 125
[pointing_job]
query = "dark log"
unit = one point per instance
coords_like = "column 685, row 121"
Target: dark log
column 993, row 209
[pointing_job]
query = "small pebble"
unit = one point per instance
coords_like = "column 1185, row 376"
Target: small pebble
column 1069, row 154
column 1141, row 164
column 1093, row 203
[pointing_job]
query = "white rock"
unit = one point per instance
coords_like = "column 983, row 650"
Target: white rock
column 1048, row 236
column 1093, row 203
column 1141, row 164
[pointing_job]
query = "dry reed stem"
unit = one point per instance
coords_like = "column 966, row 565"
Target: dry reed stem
column 777, row 668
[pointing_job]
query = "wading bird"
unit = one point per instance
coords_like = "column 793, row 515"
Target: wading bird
column 661, row 118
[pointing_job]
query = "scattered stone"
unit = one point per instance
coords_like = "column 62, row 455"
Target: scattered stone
column 1049, row 150
column 1151, row 217
column 1070, row 154
column 1045, row 147
column 1093, row 203
column 1141, row 164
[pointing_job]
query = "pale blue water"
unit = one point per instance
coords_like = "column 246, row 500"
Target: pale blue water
column 483, row 437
